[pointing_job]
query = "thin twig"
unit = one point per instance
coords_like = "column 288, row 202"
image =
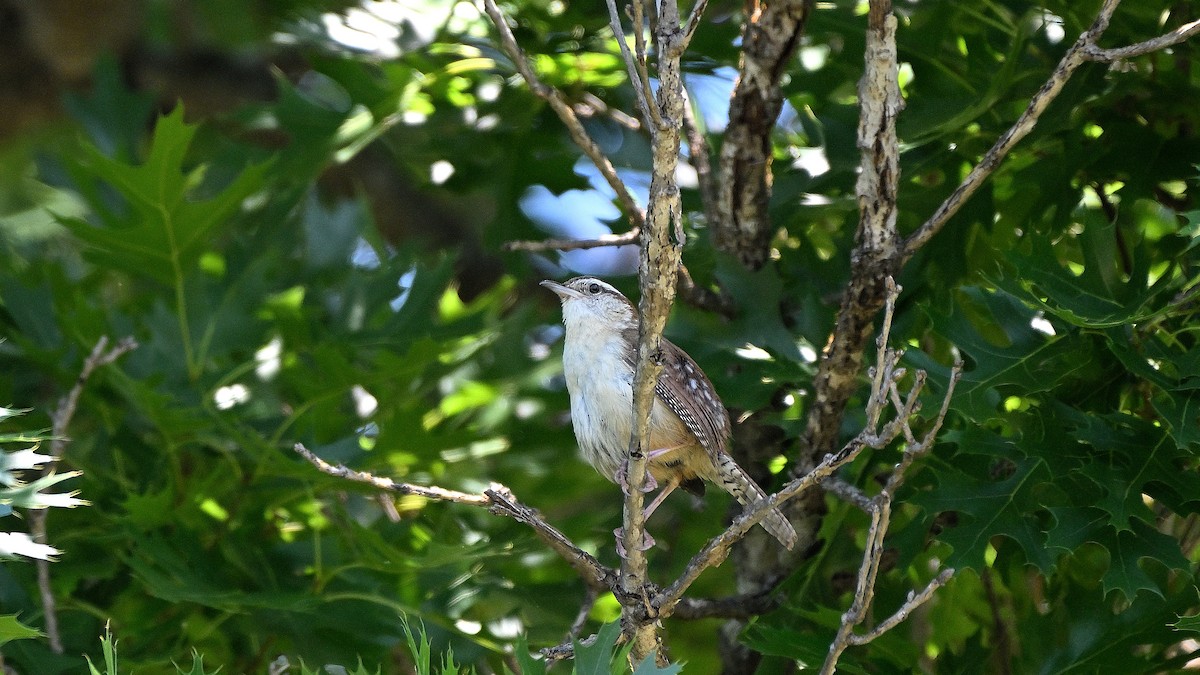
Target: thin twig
column 701, row 161
column 60, row 419
column 872, row 436
column 651, row 118
column 703, row 298
column 591, row 105
column 693, row 22
column 847, row 493
column 590, row 594
column 558, row 102
column 914, row 601
column 498, row 499
column 637, row 19
column 623, row 239
column 1094, row 53
column 742, row 606
column 1079, row 53
column 881, row 510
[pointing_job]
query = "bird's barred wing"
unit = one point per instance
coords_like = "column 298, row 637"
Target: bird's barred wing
column 688, row 393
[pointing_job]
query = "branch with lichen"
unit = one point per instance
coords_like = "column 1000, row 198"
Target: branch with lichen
column 497, row 499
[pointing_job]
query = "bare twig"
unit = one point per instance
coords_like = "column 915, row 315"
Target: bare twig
column 60, row 419
column 556, row 100
column 658, row 267
column 566, row 650
column 498, row 499
column 591, row 593
column 651, row 117
column 880, row 508
column 637, row 19
column 693, row 22
column 590, row 105
column 703, row 298
column 732, row 607
column 101, row 356
column 623, row 239
column 1082, row 51
column 847, row 493
column 698, row 156
column 1094, row 53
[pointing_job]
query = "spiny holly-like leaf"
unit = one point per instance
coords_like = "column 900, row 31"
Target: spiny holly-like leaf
column 1129, row 547
column 648, row 666
column 12, row 629
column 1132, row 457
column 1075, row 526
column 1007, row 356
column 164, row 226
column 1190, row 624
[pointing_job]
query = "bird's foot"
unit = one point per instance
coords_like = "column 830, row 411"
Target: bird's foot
column 649, row 485
column 619, row 533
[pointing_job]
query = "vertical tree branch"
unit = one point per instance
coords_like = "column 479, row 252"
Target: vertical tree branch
column 874, row 257
column 769, row 41
column 659, row 265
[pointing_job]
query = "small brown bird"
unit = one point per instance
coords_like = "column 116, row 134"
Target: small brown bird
column 689, row 427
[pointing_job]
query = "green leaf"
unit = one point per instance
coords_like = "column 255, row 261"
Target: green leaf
column 197, row 666
column 1096, row 297
column 528, row 664
column 12, row 629
column 1190, row 624
column 1006, row 355
column 167, row 225
column 988, row 509
column 595, row 659
column 649, row 666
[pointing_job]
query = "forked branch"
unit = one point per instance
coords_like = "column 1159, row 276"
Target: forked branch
column 886, row 377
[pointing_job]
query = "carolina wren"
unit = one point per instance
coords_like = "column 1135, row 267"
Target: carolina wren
column 689, row 427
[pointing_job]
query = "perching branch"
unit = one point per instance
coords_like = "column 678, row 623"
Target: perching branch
column 1094, row 53
column 60, row 419
column 636, row 68
column 658, row 267
column 560, row 106
column 498, row 500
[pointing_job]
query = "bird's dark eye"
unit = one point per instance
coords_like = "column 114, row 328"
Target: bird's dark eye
column 594, row 289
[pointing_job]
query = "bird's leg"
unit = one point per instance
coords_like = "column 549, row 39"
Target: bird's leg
column 651, row 483
column 647, row 540
column 658, row 499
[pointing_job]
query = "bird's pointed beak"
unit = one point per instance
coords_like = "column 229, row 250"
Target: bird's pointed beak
column 563, row 292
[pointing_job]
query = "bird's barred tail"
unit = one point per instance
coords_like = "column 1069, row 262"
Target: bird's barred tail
column 738, row 483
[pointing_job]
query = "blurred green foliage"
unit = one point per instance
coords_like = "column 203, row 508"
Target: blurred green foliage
column 274, row 304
